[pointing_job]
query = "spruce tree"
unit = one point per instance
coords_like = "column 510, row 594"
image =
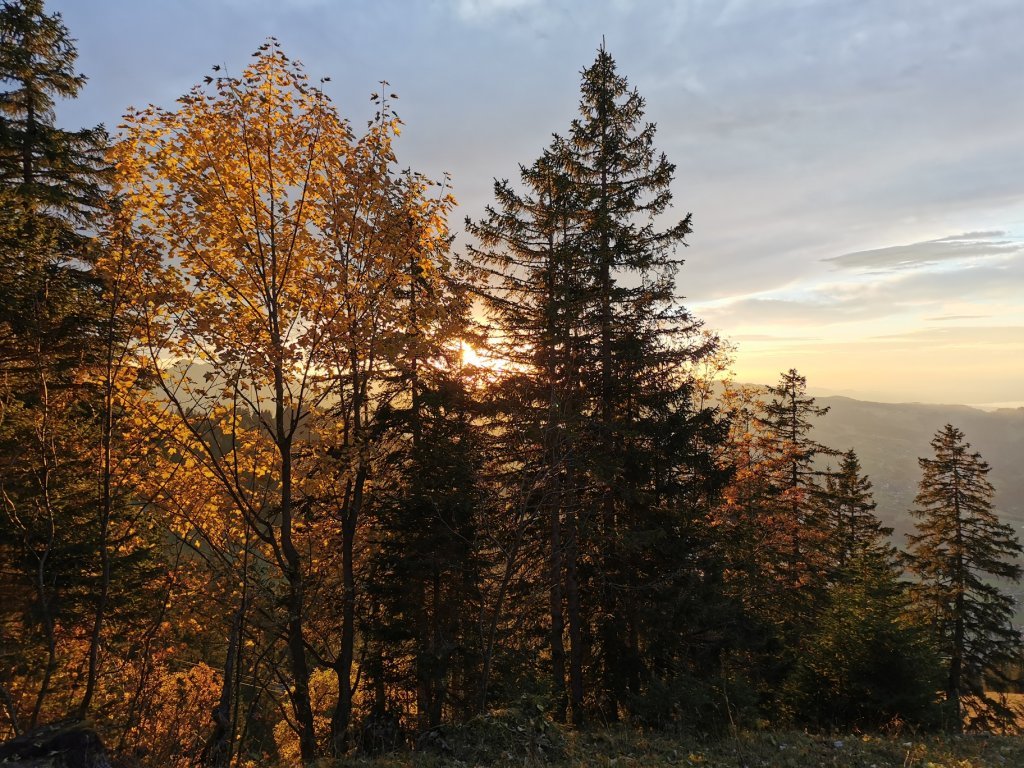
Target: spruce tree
column 960, row 547
column 647, row 442
column 51, row 186
column 857, row 538
column 623, row 450
column 863, row 662
column 427, row 559
column 539, row 289
column 53, row 330
column 51, row 182
column 777, row 553
column 796, row 510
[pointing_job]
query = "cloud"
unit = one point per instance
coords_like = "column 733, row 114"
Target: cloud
column 986, row 235
column 768, row 337
column 975, row 290
column 479, row 10
column 746, row 11
column 272, row 5
column 999, row 335
column 820, row 310
column 944, row 318
column 968, row 246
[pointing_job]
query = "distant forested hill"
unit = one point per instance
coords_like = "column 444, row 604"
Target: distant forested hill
column 889, row 437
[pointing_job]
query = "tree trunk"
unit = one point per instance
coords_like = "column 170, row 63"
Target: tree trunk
column 295, row 600
column 575, row 619
column 557, row 618
column 217, row 753
column 342, row 716
column 955, row 683
column 45, row 607
column 106, row 511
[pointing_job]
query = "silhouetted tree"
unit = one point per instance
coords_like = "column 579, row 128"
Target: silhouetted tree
column 538, row 292
column 623, row 452
column 864, row 662
column 856, row 537
column 959, row 547
column 52, row 333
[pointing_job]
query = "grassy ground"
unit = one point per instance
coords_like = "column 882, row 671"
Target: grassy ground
column 525, row 738
column 799, row 750
column 621, row 749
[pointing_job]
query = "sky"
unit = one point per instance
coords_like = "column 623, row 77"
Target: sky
column 855, row 168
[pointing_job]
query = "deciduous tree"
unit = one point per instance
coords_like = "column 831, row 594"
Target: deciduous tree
column 228, row 205
column 280, row 257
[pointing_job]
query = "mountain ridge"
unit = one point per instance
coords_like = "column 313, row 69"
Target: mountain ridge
column 890, row 437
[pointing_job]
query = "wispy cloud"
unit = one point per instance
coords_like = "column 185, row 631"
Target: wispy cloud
column 768, row 337
column 968, row 246
column 973, row 336
column 986, row 235
column 861, row 303
column 480, row 10
column 949, row 318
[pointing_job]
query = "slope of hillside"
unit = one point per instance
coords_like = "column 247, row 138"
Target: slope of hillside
column 889, row 437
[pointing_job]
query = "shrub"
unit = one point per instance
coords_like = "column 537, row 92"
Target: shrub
column 522, row 734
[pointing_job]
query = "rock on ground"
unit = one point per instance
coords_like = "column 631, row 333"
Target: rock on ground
column 66, row 744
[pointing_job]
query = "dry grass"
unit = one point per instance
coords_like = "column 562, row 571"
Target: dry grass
column 800, row 750
column 629, row 749
column 1015, row 701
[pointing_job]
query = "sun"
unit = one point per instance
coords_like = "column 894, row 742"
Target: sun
column 473, row 358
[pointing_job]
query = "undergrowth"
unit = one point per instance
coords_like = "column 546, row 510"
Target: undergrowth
column 498, row 741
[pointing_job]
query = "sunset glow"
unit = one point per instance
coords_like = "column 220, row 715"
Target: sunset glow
column 622, row 393
column 835, row 184
column 474, row 358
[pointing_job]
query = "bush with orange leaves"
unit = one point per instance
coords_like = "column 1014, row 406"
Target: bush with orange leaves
column 176, row 720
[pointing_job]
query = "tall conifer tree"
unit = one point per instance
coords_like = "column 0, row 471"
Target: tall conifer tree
column 52, row 328
column 626, row 460
column 527, row 248
column 795, row 509
column 857, row 538
column 624, row 184
column 959, row 548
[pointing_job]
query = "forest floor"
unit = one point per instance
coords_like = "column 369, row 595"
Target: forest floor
column 801, row 750
column 622, row 749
